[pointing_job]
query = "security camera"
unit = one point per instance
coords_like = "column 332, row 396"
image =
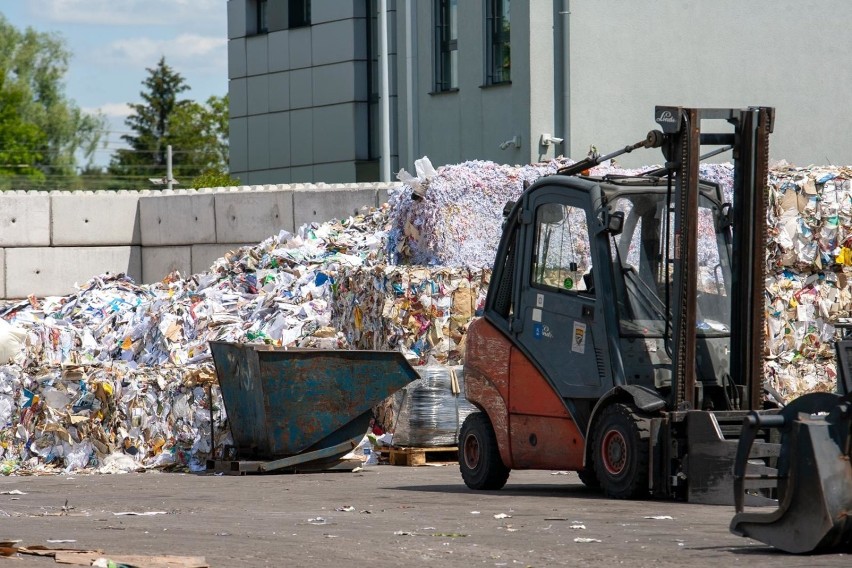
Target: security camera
column 548, row 140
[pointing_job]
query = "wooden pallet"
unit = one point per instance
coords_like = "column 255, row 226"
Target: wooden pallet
column 420, row 456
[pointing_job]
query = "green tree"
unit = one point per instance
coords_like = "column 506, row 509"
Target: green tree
column 198, row 135
column 150, row 122
column 40, row 127
column 20, row 142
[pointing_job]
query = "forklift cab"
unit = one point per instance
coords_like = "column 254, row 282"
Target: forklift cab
column 591, row 290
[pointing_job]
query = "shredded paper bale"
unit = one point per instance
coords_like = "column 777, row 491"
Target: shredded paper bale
column 118, row 376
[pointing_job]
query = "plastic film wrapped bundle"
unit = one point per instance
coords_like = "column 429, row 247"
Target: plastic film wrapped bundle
column 432, row 408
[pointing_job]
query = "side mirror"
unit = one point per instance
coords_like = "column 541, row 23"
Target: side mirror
column 615, row 222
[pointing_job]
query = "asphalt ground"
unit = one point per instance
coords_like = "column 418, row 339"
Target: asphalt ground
column 400, row 516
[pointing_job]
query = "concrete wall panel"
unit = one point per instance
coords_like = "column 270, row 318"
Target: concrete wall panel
column 95, row 218
column 53, row 271
column 25, row 219
column 330, row 203
column 203, row 256
column 251, row 216
column 173, row 227
column 158, row 262
column 177, row 219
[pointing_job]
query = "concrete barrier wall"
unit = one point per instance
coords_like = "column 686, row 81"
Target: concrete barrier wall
column 52, row 241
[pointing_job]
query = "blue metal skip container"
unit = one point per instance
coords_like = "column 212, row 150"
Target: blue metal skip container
column 283, row 402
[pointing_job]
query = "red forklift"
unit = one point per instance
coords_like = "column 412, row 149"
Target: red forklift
column 623, row 331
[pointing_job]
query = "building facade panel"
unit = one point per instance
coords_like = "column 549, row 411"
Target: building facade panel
column 258, row 142
column 279, row 140
column 237, row 58
column 333, row 42
column 257, row 55
column 301, row 88
column 333, row 84
column 238, row 97
column 257, row 93
column 279, row 91
column 300, row 48
column 279, row 51
column 301, row 139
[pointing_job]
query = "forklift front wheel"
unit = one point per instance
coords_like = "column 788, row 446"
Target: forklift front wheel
column 479, row 457
column 620, row 452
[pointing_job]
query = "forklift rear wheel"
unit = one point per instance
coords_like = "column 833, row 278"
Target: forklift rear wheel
column 620, row 452
column 479, row 457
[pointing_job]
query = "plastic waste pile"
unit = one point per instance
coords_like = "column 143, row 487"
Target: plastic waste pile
column 114, row 376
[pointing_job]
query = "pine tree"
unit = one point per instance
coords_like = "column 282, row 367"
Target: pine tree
column 150, row 121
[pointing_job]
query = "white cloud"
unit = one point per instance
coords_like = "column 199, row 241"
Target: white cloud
column 111, row 110
column 183, row 53
column 206, row 15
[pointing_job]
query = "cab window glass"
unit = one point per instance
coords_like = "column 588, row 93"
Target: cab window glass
column 562, row 260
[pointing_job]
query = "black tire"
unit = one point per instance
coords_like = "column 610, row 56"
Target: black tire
column 589, row 477
column 479, row 457
column 620, row 452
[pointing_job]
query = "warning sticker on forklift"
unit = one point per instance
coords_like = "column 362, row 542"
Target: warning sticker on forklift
column 578, row 343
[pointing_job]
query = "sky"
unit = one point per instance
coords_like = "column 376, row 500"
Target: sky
column 112, row 42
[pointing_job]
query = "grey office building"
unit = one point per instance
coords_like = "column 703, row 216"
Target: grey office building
column 521, row 81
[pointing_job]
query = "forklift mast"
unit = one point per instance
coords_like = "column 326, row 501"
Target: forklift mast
column 685, row 135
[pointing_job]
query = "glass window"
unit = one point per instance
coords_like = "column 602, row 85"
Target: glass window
column 639, row 254
column 446, row 45
column 562, row 257
column 498, row 52
column 299, row 13
column 261, row 24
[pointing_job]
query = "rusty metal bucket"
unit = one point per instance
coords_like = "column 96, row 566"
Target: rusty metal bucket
column 814, row 511
column 284, row 402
